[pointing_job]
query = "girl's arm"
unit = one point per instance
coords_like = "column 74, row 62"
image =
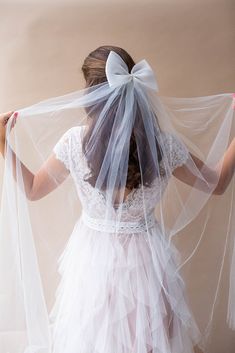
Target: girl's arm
column 38, row 185
column 226, row 166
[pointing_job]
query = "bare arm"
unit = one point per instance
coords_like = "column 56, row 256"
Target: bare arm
column 226, row 166
column 40, row 184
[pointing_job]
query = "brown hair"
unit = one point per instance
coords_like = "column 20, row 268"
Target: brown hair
column 93, row 70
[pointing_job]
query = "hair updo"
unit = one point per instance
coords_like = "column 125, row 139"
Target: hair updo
column 93, row 69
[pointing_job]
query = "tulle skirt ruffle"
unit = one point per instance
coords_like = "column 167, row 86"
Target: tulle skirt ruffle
column 121, row 294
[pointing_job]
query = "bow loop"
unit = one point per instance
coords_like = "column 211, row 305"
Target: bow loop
column 117, row 72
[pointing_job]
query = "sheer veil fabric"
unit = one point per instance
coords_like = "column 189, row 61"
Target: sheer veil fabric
column 155, row 220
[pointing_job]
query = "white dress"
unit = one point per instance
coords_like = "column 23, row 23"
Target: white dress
column 111, row 298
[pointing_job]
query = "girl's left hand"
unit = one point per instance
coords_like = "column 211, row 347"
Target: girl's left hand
column 4, row 117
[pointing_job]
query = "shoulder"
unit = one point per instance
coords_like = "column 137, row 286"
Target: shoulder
column 68, row 145
column 72, row 135
column 174, row 148
column 172, row 140
column 168, row 136
column 75, row 131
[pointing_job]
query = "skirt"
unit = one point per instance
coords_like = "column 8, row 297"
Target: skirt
column 121, row 293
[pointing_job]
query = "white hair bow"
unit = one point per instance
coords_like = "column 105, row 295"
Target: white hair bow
column 117, row 72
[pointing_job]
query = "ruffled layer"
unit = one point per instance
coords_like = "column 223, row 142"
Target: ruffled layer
column 121, row 294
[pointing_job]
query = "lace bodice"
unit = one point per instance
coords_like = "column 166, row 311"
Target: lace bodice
column 68, row 149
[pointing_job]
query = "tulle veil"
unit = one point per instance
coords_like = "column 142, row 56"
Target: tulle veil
column 33, row 233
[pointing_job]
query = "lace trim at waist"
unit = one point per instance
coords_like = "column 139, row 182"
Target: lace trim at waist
column 120, row 227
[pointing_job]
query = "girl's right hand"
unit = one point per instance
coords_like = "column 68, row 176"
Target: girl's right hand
column 4, row 117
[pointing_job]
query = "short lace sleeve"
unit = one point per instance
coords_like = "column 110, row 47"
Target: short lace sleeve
column 176, row 150
column 62, row 148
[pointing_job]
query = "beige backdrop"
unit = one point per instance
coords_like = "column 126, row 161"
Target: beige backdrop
column 190, row 45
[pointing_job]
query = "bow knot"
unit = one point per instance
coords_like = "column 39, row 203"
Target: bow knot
column 117, row 72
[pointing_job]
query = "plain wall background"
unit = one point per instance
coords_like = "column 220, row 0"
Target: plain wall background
column 189, row 44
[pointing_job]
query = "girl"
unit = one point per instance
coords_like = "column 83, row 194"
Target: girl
column 119, row 290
